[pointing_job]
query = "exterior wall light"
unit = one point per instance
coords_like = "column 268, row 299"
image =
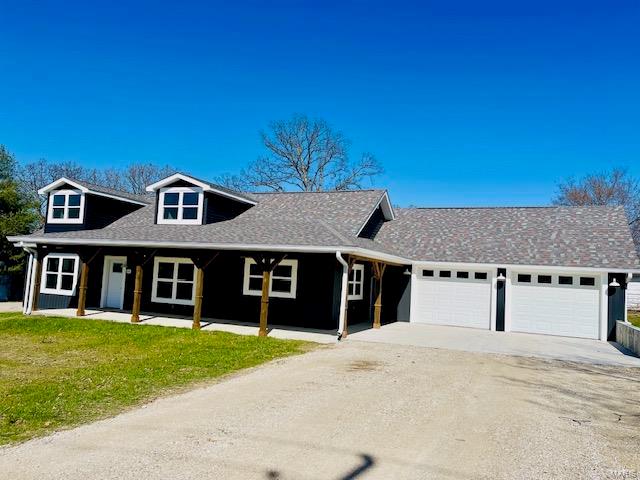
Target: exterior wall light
column 614, row 283
column 500, row 277
column 407, row 271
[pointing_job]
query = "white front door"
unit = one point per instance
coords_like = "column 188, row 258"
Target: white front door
column 113, row 281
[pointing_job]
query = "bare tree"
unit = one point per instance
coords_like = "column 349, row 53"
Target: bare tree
column 616, row 187
column 305, row 154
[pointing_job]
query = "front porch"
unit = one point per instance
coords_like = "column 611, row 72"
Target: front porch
column 209, row 324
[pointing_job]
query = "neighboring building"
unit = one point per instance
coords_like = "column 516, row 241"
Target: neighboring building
column 328, row 259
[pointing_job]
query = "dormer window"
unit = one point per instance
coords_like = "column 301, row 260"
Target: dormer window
column 66, row 206
column 180, row 205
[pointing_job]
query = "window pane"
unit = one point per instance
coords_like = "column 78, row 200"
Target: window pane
column 117, row 267
column 164, row 289
column 254, row 269
column 281, row 285
column 480, row 275
column 74, row 213
column 189, row 213
column 58, row 213
column 352, row 288
column 51, row 280
column 184, row 291
column 190, row 199
column 165, row 270
column 170, row 214
column 53, row 264
column 427, row 273
column 445, row 273
column 524, row 278
column 282, row 271
column 68, row 265
column 587, row 281
column 58, row 200
column 74, row 201
column 185, row 271
column 462, row 274
column 565, row 280
column 544, row 278
column 171, row 198
column 66, row 282
column 255, row 283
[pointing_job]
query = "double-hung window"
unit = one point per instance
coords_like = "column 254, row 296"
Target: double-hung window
column 66, row 206
column 60, row 274
column 282, row 282
column 173, row 281
column 356, row 282
column 180, row 205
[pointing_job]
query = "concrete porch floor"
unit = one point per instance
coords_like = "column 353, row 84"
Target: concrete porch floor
column 209, row 324
column 505, row 343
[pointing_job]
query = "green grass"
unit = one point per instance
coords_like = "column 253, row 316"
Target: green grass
column 60, row 372
column 634, row 318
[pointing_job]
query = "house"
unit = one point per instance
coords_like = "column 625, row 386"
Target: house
column 328, row 260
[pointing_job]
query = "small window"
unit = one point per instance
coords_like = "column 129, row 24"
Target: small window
column 356, row 282
column 173, row 281
column 587, row 281
column 66, row 206
column 480, row 275
column 445, row 274
column 283, row 281
column 427, row 273
column 522, row 278
column 544, row 278
column 462, row 274
column 180, row 205
column 60, row 274
column 565, row 280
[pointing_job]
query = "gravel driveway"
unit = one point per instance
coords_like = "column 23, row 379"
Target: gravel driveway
column 361, row 410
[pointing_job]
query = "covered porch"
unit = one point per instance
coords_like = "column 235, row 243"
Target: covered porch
column 207, row 324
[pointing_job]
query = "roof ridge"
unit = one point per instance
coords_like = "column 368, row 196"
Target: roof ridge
column 512, row 207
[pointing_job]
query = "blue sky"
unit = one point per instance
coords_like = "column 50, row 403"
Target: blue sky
column 464, row 103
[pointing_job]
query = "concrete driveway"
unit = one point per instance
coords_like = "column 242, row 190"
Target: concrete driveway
column 362, row 411
column 506, row 343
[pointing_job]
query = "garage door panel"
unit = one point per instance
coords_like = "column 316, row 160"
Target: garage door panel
column 453, row 301
column 568, row 310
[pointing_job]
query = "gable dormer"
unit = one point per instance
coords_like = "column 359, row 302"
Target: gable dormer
column 75, row 205
column 185, row 200
column 382, row 212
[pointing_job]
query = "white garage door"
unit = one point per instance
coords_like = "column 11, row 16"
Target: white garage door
column 449, row 297
column 567, row 305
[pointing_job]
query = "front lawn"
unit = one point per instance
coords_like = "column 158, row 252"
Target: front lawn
column 634, row 318
column 59, row 372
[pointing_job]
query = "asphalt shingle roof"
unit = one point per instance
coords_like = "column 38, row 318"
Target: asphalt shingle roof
column 560, row 236
column 112, row 191
column 596, row 237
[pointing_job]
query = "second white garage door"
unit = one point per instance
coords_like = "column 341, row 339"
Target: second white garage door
column 567, row 305
column 449, row 297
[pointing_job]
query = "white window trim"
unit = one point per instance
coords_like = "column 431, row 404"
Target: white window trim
column 67, row 192
column 352, row 281
column 154, row 284
column 181, row 191
column 555, row 279
column 294, row 279
column 58, row 290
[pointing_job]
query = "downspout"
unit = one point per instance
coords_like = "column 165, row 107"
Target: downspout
column 27, row 284
column 33, row 253
column 343, row 292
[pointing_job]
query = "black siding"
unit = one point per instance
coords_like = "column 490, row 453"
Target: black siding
column 218, row 208
column 500, row 301
column 616, row 303
column 373, row 225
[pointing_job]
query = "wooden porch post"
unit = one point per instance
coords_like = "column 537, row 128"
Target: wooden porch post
column 36, row 282
column 197, row 306
column 137, row 295
column 378, row 271
column 82, row 296
column 264, row 302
